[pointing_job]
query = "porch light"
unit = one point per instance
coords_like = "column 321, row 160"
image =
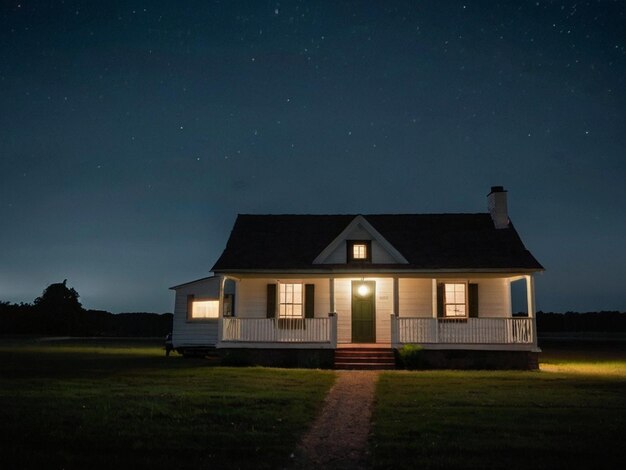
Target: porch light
column 363, row 290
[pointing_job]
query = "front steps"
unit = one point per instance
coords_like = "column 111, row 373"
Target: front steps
column 365, row 358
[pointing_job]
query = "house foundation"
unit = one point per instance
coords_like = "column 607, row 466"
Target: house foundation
column 278, row 357
column 476, row 359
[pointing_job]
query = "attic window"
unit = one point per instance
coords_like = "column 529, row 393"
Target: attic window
column 359, row 251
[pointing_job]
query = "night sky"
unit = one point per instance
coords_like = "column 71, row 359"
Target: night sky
column 133, row 132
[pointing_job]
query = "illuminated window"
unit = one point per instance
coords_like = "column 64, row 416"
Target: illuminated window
column 359, row 250
column 201, row 309
column 455, row 301
column 290, row 305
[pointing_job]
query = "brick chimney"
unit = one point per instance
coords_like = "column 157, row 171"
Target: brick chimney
column 496, row 203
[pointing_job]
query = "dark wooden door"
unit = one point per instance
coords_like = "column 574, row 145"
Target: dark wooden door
column 363, row 312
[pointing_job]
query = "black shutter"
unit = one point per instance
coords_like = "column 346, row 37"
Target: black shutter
column 472, row 300
column 440, row 300
column 271, row 300
column 189, row 306
column 309, row 300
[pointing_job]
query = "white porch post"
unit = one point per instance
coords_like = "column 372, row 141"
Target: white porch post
column 333, row 330
column 331, row 289
column 530, row 299
column 220, row 312
column 221, row 297
column 434, row 297
column 395, row 312
column 435, row 306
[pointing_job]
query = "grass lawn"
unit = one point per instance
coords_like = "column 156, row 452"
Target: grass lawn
column 571, row 414
column 78, row 405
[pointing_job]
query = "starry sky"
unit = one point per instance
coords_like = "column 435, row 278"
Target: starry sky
column 133, row 132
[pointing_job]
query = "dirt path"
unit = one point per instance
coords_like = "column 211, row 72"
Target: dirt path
column 338, row 437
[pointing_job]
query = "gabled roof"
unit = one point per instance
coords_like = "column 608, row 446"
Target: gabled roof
column 426, row 241
column 360, row 222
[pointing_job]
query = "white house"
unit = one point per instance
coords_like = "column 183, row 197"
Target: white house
column 309, row 289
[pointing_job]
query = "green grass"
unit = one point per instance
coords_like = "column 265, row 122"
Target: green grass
column 106, row 404
column 571, row 414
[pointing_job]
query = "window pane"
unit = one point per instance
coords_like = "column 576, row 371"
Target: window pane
column 455, row 300
column 290, row 301
column 455, row 310
column 297, row 310
column 359, row 251
column 460, row 292
column 205, row 309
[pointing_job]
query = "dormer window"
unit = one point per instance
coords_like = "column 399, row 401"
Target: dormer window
column 359, row 251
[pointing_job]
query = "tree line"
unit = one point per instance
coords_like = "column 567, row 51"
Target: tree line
column 604, row 321
column 58, row 312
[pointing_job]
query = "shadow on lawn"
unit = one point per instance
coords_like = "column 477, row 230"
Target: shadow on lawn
column 89, row 358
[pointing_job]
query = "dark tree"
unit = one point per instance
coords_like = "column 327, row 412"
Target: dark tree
column 60, row 309
column 58, row 297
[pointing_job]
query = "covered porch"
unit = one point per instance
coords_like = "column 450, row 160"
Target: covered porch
column 406, row 311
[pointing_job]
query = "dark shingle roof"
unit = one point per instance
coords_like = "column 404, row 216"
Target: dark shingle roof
column 427, row 241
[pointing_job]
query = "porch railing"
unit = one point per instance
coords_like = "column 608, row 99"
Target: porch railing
column 462, row 331
column 279, row 330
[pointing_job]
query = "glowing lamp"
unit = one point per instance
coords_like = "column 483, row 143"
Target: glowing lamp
column 363, row 290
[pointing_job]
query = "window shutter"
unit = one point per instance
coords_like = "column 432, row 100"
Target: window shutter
column 309, row 300
column 440, row 300
column 472, row 300
column 271, row 300
column 189, row 306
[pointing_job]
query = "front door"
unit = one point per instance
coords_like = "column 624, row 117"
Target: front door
column 363, row 312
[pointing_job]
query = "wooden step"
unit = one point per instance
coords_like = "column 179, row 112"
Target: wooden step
column 364, row 358
column 384, row 352
column 364, row 366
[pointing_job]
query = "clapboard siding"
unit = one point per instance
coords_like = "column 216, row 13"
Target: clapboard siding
column 194, row 333
column 251, row 296
column 494, row 297
column 416, row 298
column 322, row 297
column 384, row 309
column 343, row 306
